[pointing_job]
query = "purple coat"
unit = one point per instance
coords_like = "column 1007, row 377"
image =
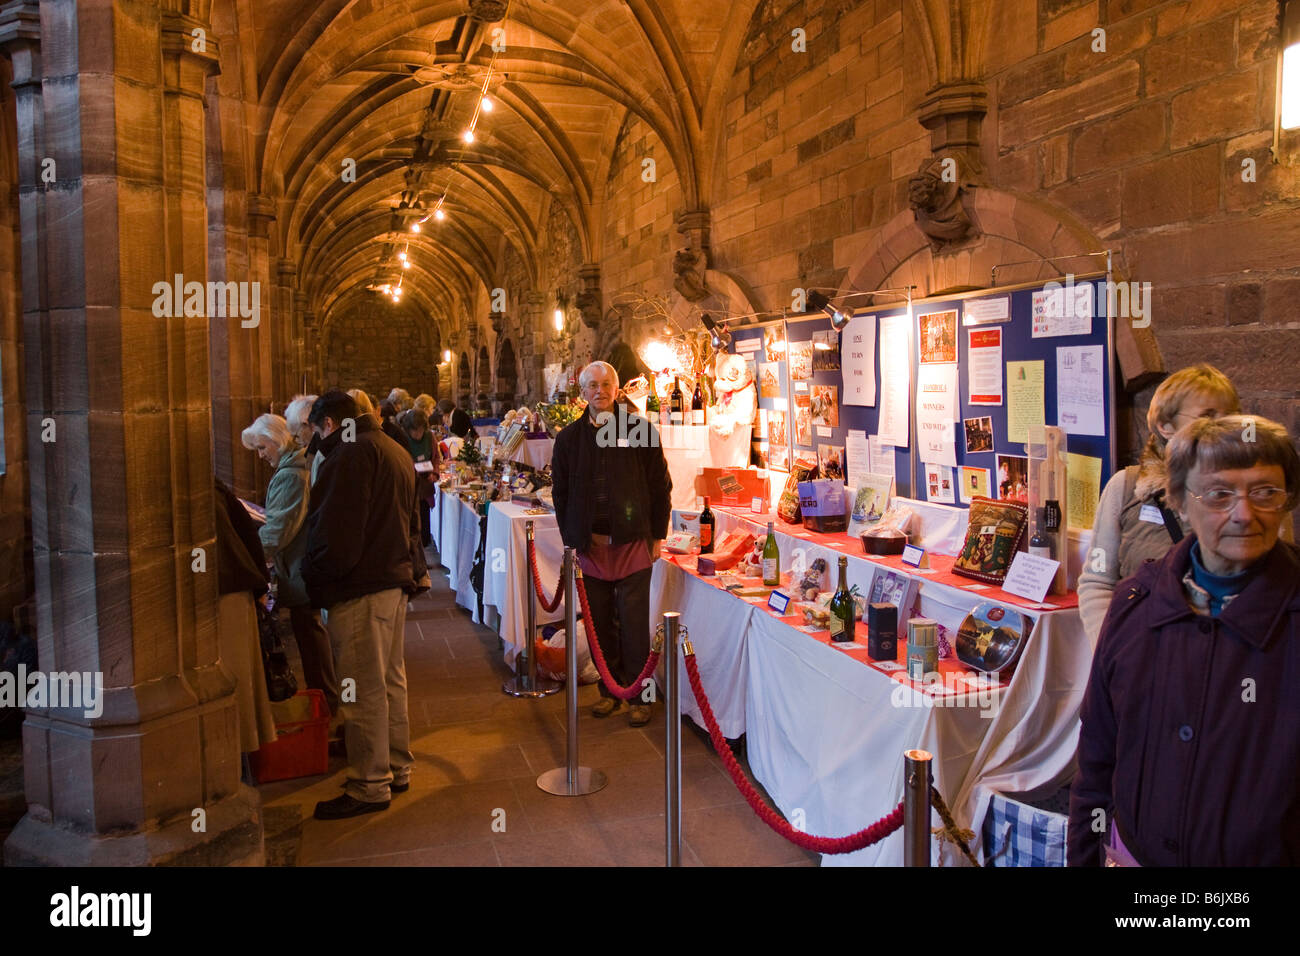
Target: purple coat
column 1191, row 725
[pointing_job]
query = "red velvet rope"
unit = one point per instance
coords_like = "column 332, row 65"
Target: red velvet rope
column 597, row 655
column 548, row 605
column 848, row 844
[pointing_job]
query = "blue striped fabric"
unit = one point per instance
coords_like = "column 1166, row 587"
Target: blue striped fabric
column 1016, row 834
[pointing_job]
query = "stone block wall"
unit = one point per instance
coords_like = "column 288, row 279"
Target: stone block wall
column 378, row 346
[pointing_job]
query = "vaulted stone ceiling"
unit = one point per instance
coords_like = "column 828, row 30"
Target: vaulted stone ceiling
column 391, row 87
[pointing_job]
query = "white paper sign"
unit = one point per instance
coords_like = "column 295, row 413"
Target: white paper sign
column 858, row 360
column 825, row 432
column 975, row 311
column 984, row 363
column 882, row 457
column 1080, row 407
column 1030, row 576
column 895, row 379
column 749, row 345
column 1062, row 310
column 937, row 410
column 857, row 455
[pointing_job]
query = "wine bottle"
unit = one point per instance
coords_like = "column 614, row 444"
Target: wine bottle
column 842, row 609
column 706, row 528
column 697, row 405
column 1040, row 544
column 676, row 403
column 771, row 560
column 652, row 403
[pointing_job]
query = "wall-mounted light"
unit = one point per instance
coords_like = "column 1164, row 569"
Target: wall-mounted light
column 446, row 356
column 1286, row 115
column 719, row 337
column 559, row 320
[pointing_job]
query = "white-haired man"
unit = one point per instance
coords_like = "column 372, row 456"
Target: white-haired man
column 613, row 503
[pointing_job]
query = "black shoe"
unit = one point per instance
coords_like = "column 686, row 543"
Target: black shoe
column 400, row 787
column 340, row 808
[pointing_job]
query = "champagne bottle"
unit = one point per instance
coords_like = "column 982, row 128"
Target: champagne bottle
column 842, row 609
column 652, row 403
column 771, row 560
column 697, row 405
column 706, row 529
column 676, row 403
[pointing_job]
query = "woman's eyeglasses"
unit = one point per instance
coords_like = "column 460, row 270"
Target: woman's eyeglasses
column 1261, row 499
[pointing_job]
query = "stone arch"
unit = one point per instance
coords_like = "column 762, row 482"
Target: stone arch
column 462, row 381
column 482, row 375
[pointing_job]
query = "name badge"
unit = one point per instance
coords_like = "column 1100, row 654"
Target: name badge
column 1152, row 514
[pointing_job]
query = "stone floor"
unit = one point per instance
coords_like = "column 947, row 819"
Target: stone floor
column 478, row 754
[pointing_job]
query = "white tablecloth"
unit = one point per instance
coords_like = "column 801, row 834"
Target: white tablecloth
column 825, row 733
column 456, row 531
column 689, row 448
column 507, row 580
column 535, row 452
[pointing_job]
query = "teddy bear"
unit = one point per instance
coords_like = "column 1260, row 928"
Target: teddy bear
column 737, row 399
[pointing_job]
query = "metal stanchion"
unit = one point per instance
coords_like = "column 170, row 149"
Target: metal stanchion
column 673, row 763
column 571, row 780
column 916, row 808
column 526, row 683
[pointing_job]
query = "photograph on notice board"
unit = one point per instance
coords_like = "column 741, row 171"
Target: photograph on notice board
column 825, row 405
column 831, row 460
column 801, row 360
column 974, row 482
column 776, row 427
column 778, row 458
column 826, row 350
column 1013, row 478
column 802, row 420
column 939, row 337
column 938, row 480
column 774, row 343
column 979, row 434
column 769, row 380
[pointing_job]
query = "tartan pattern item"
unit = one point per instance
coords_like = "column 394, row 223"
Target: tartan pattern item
column 1016, row 834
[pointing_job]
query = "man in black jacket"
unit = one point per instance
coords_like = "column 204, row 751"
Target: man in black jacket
column 612, row 495
column 363, row 558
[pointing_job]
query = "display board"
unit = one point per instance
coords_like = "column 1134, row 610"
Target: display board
column 984, row 365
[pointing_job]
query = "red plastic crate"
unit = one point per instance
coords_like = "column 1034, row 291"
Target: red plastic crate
column 301, row 747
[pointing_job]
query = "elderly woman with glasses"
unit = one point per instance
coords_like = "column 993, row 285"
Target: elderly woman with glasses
column 1190, row 733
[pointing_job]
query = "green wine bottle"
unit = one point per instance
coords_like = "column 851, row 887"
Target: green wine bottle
column 771, row 560
column 842, row 609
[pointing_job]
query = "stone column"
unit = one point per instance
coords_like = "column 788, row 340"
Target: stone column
column 303, row 353
column 534, row 339
column 286, row 371
column 118, row 411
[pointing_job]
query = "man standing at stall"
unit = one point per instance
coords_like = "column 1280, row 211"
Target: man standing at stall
column 612, row 495
column 363, row 559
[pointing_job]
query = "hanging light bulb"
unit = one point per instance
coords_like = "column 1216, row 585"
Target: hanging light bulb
column 406, row 263
column 439, row 215
column 487, row 104
column 415, row 227
column 468, row 136
column 402, row 256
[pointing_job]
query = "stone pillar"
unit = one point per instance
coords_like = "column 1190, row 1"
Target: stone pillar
column 534, row 339
column 304, row 354
column 122, row 495
column 287, row 372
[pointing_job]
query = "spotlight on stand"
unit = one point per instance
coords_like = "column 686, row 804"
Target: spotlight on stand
column 817, row 301
column 719, row 337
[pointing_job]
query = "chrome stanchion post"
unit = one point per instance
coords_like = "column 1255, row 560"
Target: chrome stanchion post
column 571, row 780
column 916, row 808
column 673, row 761
column 526, row 683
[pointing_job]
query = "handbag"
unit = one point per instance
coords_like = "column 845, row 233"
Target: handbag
column 281, row 684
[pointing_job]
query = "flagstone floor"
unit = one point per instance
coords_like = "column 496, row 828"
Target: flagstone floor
column 474, row 800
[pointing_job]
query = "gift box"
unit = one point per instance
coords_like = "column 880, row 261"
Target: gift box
column 729, row 549
column 731, row 486
column 681, row 542
column 821, row 502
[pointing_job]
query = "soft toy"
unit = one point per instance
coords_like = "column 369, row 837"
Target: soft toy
column 737, row 399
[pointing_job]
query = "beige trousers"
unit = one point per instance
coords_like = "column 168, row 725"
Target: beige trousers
column 367, row 637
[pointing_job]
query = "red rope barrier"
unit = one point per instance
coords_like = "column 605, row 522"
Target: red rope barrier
column 548, row 605
column 597, row 655
column 848, row 844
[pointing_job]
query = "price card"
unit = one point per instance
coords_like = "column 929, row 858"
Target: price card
column 915, row 556
column 1030, row 576
column 778, row 601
